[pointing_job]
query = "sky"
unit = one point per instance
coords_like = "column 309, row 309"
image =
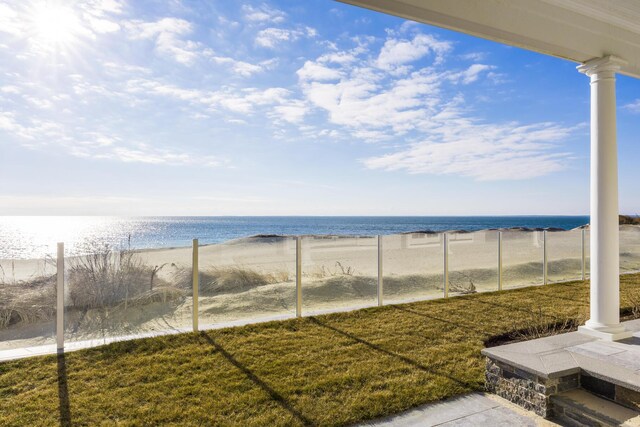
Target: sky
column 122, row 107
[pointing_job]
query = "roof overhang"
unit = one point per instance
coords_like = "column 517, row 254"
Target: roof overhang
column 577, row 30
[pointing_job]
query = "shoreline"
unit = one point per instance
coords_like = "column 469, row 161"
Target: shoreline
column 269, row 238
column 25, row 238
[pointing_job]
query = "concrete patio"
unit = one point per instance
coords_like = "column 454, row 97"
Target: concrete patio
column 476, row 409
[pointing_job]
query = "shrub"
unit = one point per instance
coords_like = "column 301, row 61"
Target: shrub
column 107, row 278
column 461, row 282
column 27, row 301
column 540, row 324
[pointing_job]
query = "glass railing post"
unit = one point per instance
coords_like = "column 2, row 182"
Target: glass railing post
column 60, row 298
column 380, row 272
column 445, row 247
column 499, row 260
column 298, row 276
column 584, row 254
column 544, row 257
column 195, row 272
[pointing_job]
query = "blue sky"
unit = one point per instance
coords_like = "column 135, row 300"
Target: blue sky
column 115, row 107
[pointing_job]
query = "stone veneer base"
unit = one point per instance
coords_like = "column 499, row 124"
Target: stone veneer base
column 530, row 391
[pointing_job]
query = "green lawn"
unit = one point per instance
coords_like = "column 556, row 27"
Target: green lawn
column 326, row 370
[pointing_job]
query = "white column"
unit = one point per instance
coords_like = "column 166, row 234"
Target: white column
column 604, row 319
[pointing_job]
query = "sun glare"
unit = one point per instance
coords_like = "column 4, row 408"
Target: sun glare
column 55, row 26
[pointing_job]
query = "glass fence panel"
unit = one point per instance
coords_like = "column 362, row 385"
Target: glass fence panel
column 247, row 279
column 564, row 255
column 629, row 248
column 116, row 293
column 27, row 303
column 473, row 262
column 413, row 267
column 339, row 272
column 522, row 254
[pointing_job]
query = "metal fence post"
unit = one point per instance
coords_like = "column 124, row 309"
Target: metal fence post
column 380, row 273
column 60, row 298
column 499, row 260
column 544, row 257
column 298, row 276
column 445, row 245
column 195, row 272
column 584, row 255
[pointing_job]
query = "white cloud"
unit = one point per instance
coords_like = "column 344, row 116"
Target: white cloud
column 147, row 30
column 263, row 13
column 312, row 70
column 245, row 69
column 341, row 58
column 471, row 74
column 633, row 106
column 84, row 19
column 292, row 112
column 10, row 89
column 32, row 133
column 124, row 69
column 474, row 56
column 40, row 134
column 244, row 100
column 152, row 87
column 272, row 37
column 10, row 21
column 398, row 52
column 100, row 14
column 482, row 151
column 168, row 34
column 102, row 8
column 365, row 101
column 385, row 95
column 146, row 154
column 393, row 90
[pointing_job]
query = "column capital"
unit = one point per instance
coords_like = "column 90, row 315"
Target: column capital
column 608, row 63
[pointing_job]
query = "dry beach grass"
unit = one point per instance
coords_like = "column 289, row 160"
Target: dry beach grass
column 333, row 369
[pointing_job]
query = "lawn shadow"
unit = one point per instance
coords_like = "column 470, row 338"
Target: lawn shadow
column 404, row 359
column 495, row 304
column 533, row 310
column 63, row 391
column 458, row 324
column 553, row 296
column 278, row 398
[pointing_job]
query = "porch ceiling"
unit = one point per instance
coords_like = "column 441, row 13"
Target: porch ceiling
column 578, row 30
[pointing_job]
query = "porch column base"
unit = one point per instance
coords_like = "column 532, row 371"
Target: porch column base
column 606, row 333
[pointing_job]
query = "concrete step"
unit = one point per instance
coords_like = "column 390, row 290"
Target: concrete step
column 579, row 408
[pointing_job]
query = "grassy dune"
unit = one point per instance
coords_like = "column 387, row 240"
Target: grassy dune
column 326, row 370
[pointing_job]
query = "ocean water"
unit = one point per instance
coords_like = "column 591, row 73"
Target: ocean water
column 36, row 236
